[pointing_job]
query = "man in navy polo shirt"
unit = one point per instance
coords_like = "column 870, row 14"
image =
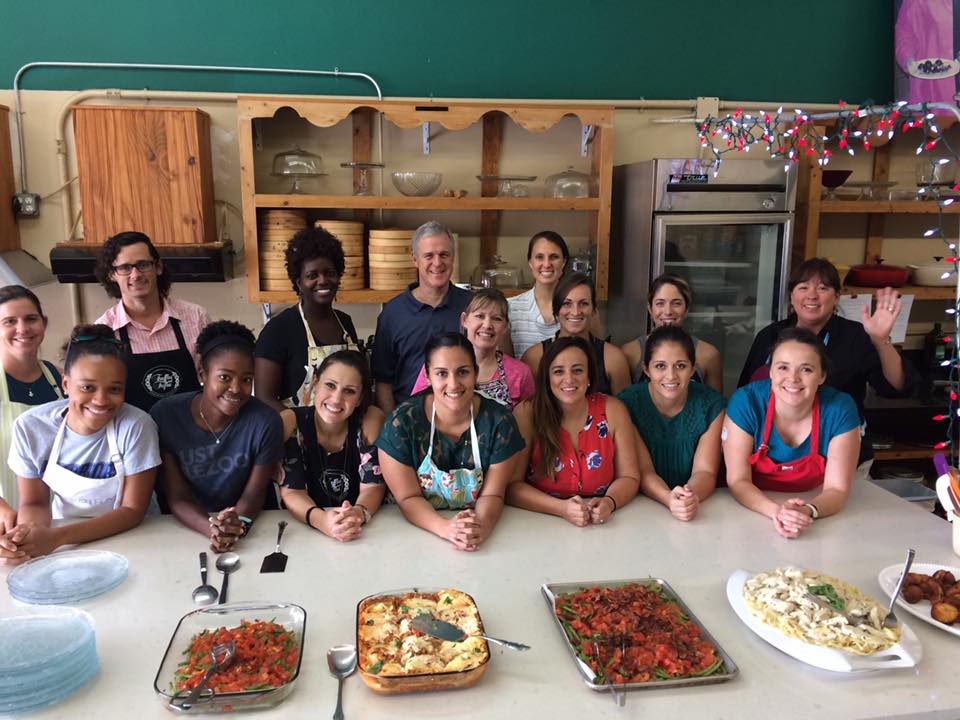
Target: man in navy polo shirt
column 428, row 307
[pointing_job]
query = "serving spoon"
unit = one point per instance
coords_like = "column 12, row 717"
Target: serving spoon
column 226, row 564
column 204, row 594
column 342, row 660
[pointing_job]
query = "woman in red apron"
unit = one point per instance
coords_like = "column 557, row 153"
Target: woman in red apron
column 792, row 434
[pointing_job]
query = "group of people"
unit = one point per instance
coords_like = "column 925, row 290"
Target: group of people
column 158, row 409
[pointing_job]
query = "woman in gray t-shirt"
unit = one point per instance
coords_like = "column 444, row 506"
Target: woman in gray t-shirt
column 221, row 447
column 90, row 457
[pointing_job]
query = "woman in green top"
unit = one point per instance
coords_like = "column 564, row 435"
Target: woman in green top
column 450, row 448
column 679, row 422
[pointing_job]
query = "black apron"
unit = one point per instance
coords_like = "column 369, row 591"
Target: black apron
column 156, row 375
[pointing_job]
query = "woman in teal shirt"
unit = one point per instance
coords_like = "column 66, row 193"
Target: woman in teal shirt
column 679, row 423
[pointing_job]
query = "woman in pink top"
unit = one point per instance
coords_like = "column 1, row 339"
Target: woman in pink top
column 485, row 323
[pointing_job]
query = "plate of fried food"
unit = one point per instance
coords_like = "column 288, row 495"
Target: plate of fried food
column 840, row 630
column 931, row 592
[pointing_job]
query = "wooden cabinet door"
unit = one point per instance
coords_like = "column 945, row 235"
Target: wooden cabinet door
column 147, row 169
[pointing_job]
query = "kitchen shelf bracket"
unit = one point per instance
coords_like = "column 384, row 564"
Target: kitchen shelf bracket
column 587, row 133
column 426, row 138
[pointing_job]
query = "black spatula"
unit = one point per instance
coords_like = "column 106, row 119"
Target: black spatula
column 276, row 561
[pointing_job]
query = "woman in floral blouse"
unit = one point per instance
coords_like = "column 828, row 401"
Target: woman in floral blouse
column 583, row 459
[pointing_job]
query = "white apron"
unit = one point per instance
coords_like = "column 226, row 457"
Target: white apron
column 75, row 496
column 10, row 411
column 316, row 354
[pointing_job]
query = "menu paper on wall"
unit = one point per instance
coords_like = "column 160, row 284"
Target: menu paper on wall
column 850, row 308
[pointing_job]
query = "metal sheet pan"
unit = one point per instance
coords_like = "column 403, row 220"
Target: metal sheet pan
column 552, row 590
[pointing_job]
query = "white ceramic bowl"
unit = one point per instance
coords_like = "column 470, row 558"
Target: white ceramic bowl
column 929, row 275
column 417, row 184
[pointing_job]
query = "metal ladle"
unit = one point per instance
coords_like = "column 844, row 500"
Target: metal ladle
column 342, row 660
column 226, row 564
column 204, row 594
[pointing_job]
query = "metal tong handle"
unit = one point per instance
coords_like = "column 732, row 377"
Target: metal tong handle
column 223, row 588
column 282, row 525
column 903, row 577
column 203, row 568
column 519, row 647
column 184, row 704
column 338, row 713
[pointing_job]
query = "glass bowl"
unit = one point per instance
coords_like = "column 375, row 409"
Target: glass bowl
column 292, row 617
column 569, row 184
column 416, row 184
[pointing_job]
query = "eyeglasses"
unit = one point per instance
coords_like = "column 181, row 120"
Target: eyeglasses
column 141, row 266
column 96, row 338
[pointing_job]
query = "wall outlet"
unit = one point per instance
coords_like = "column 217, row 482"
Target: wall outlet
column 26, row 204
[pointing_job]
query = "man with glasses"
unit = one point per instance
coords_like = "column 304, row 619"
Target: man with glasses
column 159, row 332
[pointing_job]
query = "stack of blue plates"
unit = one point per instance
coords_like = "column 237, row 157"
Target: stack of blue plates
column 65, row 577
column 46, row 654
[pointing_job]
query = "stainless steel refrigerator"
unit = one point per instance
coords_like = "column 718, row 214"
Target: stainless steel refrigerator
column 728, row 236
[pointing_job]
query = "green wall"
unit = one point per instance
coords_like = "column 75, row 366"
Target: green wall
column 811, row 51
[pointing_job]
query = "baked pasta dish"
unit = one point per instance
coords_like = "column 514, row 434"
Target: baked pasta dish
column 390, row 647
column 838, row 616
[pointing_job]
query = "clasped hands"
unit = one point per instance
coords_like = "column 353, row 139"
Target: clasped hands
column 582, row 512
column 790, row 519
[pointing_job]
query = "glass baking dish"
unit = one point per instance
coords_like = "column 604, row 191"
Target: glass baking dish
column 292, row 617
column 421, row 682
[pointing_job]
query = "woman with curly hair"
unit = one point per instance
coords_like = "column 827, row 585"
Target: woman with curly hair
column 303, row 335
column 220, row 446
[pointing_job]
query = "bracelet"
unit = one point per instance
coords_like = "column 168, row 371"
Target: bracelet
column 814, row 513
column 366, row 513
column 612, row 499
column 247, row 524
column 307, row 517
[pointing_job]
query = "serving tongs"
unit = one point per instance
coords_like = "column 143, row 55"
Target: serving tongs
column 220, row 658
column 429, row 625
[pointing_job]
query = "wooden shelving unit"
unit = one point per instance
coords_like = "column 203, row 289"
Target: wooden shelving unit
column 597, row 143
column 919, row 292
column 905, row 452
column 885, row 207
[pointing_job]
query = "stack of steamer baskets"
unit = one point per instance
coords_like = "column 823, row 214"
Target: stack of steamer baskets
column 350, row 235
column 391, row 264
column 276, row 229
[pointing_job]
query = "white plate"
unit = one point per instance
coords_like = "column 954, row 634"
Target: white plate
column 906, row 653
column 951, row 68
column 888, row 578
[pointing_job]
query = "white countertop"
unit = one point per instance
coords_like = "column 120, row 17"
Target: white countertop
column 134, row 622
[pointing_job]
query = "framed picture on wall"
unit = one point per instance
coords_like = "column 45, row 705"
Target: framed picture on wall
column 927, row 50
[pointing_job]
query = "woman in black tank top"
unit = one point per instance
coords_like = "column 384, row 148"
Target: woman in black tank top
column 574, row 305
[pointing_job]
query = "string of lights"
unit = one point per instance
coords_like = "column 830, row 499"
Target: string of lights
column 793, row 135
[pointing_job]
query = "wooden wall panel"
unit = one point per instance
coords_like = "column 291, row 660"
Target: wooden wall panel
column 9, row 231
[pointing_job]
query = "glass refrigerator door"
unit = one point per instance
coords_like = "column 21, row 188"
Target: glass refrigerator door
column 736, row 265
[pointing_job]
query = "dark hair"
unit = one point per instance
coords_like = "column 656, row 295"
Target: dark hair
column 550, row 236
column 108, row 255
column 19, row 292
column 224, row 336
column 678, row 282
column 804, row 336
column 819, row 267
column 308, row 244
column 547, row 414
column 449, row 340
column 669, row 334
column 92, row 340
column 566, row 284
column 488, row 296
column 352, row 359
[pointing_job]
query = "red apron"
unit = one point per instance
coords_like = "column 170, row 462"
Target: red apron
column 797, row 475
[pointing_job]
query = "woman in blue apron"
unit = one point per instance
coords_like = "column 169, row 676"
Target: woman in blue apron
column 292, row 345
column 450, row 448
column 26, row 380
column 91, row 458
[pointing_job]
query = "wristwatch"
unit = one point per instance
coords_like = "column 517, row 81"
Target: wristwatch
column 814, row 513
column 366, row 513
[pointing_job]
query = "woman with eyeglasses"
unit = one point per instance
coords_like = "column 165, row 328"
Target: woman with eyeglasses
column 91, row 458
column 221, row 447
column 332, row 479
column 26, row 380
column 158, row 331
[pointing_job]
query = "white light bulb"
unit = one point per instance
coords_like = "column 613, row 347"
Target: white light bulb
column 857, row 133
column 951, row 311
column 946, row 201
column 931, row 232
column 946, row 275
column 945, row 363
column 943, row 161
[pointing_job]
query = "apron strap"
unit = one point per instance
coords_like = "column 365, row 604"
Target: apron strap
column 474, row 444
column 44, row 371
column 815, row 426
column 58, row 439
column 433, row 426
column 768, row 423
column 175, row 324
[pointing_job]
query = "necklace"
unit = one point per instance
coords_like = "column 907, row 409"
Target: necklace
column 210, row 428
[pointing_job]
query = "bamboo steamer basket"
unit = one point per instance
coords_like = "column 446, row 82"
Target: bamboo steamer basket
column 275, row 285
column 389, row 259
